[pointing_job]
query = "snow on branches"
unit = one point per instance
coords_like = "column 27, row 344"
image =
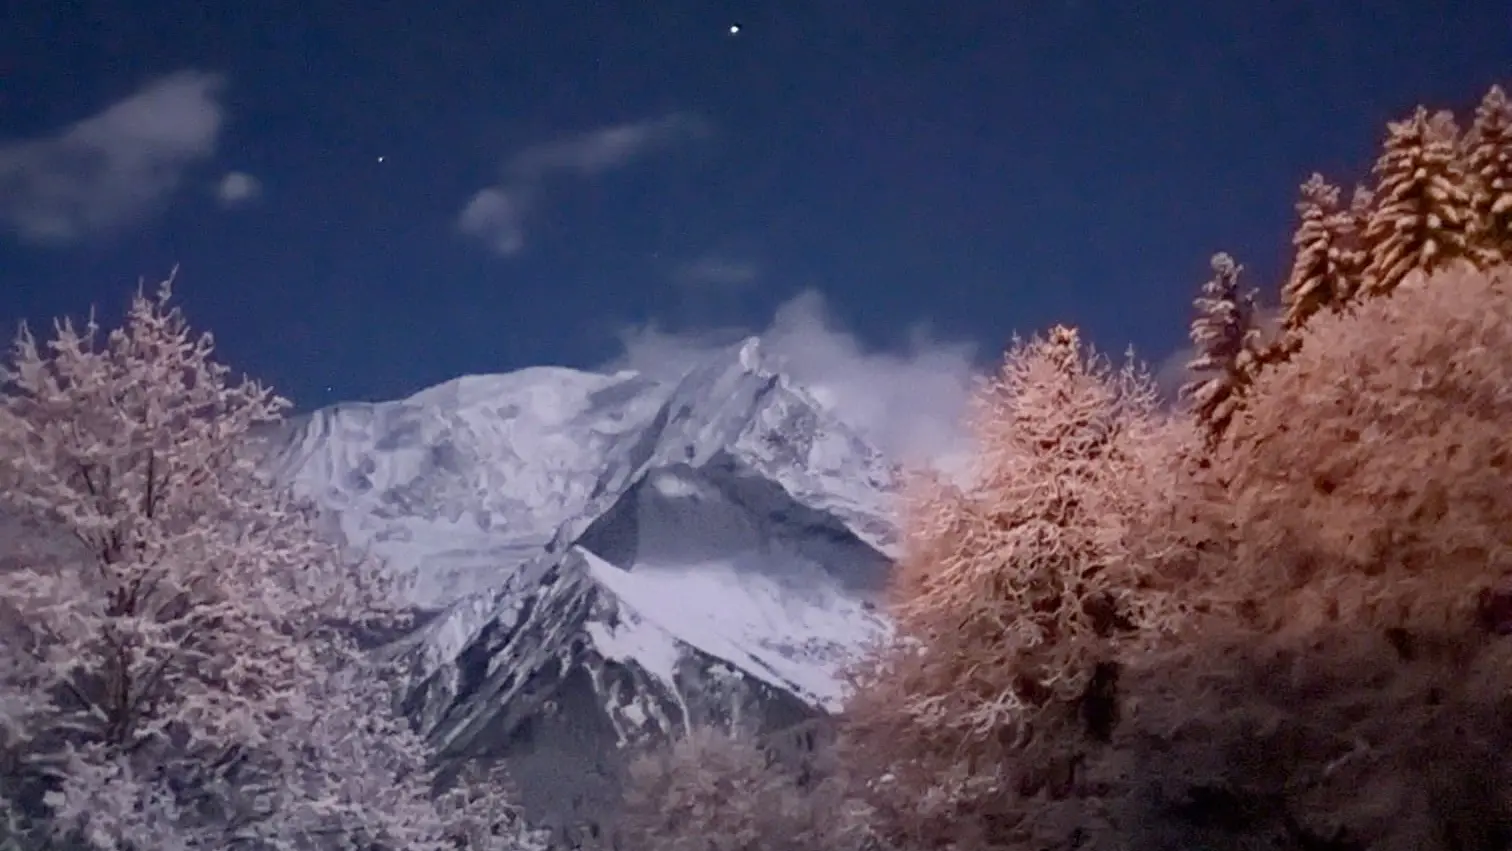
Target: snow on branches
column 183, row 679
column 1227, row 340
column 1019, row 583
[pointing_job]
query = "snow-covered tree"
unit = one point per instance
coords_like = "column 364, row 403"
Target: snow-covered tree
column 185, row 679
column 479, row 814
column 1019, row 589
column 1036, row 557
column 1326, row 269
column 1369, row 475
column 710, row 790
column 1422, row 216
column 1227, row 339
column 1488, row 157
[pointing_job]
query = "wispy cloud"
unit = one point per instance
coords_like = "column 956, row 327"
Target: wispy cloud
column 717, row 271
column 237, row 188
column 107, row 171
column 909, row 401
column 497, row 214
column 606, row 148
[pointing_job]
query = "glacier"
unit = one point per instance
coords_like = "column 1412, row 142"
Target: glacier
column 603, row 558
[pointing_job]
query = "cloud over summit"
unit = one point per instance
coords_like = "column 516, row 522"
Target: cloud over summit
column 909, row 402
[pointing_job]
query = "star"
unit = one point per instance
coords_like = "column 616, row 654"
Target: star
column 734, row 29
column 380, row 159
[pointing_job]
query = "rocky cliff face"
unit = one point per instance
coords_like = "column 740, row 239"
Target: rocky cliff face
column 606, row 558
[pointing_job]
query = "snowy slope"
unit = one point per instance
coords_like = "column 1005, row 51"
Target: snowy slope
column 461, row 483
column 740, row 570
column 618, row 540
column 608, row 556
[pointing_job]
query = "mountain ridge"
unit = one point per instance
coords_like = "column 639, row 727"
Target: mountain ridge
column 607, row 558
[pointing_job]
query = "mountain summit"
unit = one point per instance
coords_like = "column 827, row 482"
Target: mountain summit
column 607, row 557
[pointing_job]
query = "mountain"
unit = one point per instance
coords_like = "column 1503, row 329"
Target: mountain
column 604, row 557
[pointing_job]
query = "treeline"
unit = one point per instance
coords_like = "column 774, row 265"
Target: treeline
column 1270, row 619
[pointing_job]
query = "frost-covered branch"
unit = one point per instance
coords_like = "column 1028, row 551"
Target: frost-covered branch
column 186, row 676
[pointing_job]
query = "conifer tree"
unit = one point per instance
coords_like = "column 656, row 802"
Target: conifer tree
column 1422, row 213
column 1353, row 254
column 1325, row 272
column 1488, row 158
column 1227, row 338
column 1360, row 205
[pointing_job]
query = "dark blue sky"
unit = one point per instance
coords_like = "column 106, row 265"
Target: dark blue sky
column 982, row 166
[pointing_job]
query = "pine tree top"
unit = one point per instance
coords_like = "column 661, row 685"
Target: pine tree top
column 1317, row 195
column 1488, row 148
column 1421, row 149
column 1225, row 319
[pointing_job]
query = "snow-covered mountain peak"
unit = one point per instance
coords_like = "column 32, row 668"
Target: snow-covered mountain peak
column 750, row 353
column 545, row 393
column 463, row 482
column 645, row 552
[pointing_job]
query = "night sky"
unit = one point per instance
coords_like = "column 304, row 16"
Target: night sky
column 368, row 198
